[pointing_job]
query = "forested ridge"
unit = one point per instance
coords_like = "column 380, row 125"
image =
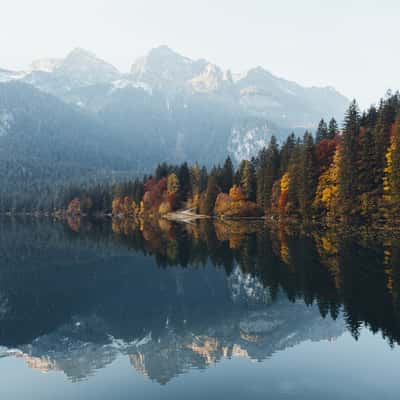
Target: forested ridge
column 341, row 174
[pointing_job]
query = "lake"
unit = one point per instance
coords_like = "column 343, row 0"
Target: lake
column 213, row 310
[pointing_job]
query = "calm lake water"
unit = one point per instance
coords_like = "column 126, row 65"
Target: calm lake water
column 151, row 310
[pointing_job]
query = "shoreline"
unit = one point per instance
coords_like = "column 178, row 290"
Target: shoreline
column 187, row 217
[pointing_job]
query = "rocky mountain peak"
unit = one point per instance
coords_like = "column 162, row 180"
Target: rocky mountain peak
column 84, row 67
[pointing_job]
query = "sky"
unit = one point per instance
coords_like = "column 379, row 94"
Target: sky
column 351, row 45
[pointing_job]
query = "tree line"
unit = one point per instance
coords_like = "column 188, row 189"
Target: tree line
column 348, row 174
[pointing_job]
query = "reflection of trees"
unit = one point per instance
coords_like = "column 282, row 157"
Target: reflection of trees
column 356, row 275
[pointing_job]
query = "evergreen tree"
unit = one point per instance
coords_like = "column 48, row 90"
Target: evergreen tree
column 348, row 162
column 369, row 118
column 308, row 175
column 162, row 171
column 286, row 153
column 195, row 179
column 322, row 131
column 247, row 179
column 211, row 193
column 294, row 171
column 365, row 182
column 387, row 111
column 203, row 179
column 227, row 175
column 333, row 129
column 267, row 173
column 184, row 181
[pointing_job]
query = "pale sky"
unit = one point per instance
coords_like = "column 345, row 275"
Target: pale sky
column 349, row 44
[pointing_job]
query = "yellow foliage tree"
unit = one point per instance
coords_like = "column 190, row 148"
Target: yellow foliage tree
column 236, row 193
column 391, row 179
column 327, row 193
column 172, row 184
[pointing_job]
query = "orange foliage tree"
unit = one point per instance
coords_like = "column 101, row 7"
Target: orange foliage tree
column 235, row 205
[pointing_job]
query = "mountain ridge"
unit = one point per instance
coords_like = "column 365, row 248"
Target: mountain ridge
column 167, row 108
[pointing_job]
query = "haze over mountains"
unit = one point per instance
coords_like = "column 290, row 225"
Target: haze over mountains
column 79, row 114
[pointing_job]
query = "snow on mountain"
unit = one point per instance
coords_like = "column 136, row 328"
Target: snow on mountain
column 6, row 75
column 245, row 141
column 45, row 64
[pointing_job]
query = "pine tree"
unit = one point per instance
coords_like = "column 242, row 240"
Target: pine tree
column 333, row 129
column 365, row 182
column 247, row 179
column 162, row 171
column 348, row 163
column 387, row 111
column 286, row 153
column 211, row 193
column 322, row 131
column 267, row 173
column 183, row 175
column 227, row 175
column 195, row 179
column 203, row 179
column 294, row 172
column 308, row 175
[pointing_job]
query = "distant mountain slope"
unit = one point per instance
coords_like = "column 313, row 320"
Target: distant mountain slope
column 39, row 127
column 44, row 141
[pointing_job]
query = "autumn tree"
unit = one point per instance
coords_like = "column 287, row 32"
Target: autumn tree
column 173, row 184
column 327, row 193
column 391, row 181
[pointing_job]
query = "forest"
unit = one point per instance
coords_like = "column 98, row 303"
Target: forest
column 346, row 174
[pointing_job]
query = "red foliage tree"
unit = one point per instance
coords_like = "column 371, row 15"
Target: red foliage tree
column 154, row 196
column 324, row 152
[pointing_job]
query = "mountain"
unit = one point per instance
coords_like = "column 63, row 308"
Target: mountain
column 44, row 141
column 166, row 108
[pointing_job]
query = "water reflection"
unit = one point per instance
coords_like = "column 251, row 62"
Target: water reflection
column 75, row 296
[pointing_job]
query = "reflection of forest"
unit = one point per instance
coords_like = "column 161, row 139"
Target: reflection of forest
column 176, row 296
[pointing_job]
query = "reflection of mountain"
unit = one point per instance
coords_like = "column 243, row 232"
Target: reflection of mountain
column 80, row 348
column 255, row 335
